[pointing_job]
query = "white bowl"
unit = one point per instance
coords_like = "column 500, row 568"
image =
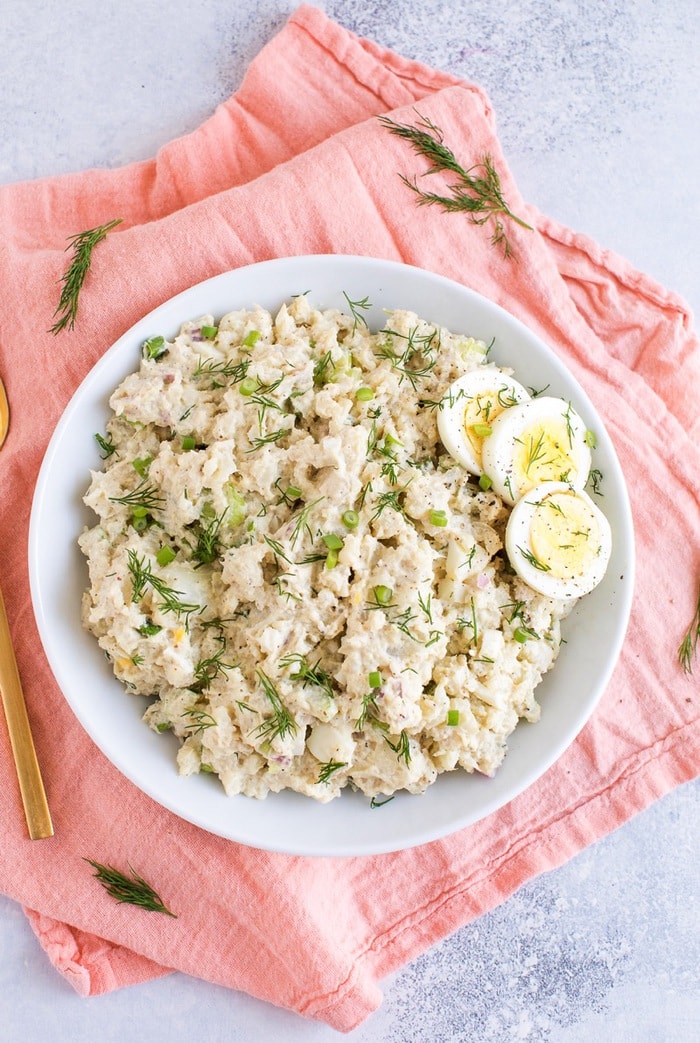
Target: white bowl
column 286, row 821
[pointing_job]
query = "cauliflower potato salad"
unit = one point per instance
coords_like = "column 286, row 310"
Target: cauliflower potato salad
column 333, row 557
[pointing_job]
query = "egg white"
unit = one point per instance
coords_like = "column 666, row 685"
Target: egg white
column 543, row 439
column 558, row 541
column 476, row 398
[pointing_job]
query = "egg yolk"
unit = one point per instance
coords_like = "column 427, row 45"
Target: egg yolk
column 543, row 454
column 565, row 535
column 480, row 412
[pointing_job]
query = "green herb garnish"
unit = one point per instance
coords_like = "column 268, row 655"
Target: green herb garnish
column 281, row 723
column 106, row 445
column 475, row 191
column 142, row 577
column 689, row 645
column 144, row 496
column 82, row 245
column 131, row 890
column 200, row 720
column 329, row 768
column 355, row 308
column 308, row 674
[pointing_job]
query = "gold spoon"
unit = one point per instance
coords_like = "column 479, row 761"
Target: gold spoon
column 4, row 413
column 36, row 808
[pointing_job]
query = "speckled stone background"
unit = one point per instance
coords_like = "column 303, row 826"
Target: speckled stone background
column 598, row 107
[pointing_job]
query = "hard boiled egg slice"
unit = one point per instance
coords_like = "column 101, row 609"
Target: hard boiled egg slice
column 542, row 440
column 468, row 409
column 558, row 541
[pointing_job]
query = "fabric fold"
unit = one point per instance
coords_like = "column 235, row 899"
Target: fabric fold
column 296, row 162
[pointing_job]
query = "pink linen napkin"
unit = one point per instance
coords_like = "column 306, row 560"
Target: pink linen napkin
column 296, row 162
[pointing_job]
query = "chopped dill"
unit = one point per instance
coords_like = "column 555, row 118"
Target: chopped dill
column 200, row 721
column 355, row 308
column 329, row 768
column 144, row 497
column 308, row 674
column 281, row 723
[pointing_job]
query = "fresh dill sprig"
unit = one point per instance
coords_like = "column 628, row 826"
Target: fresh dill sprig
column 277, row 549
column 130, row 890
column 106, row 445
column 73, row 278
column 368, row 710
column 142, row 576
column 208, row 547
column 320, row 368
column 308, row 674
column 535, row 451
column 475, row 191
column 595, row 477
column 541, row 566
column 200, row 720
column 463, row 623
column 425, row 606
column 402, row 747
column 210, row 667
column 390, row 499
column 355, row 308
column 416, row 360
column 401, row 622
column 145, row 497
column 235, row 372
column 261, row 398
column 328, row 769
column 301, row 521
column 689, row 645
column 377, row 802
column 281, row 723
column 274, row 436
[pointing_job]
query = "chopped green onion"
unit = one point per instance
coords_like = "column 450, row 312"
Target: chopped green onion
column 383, row 595
column 139, row 512
column 292, row 492
column 333, row 542
column 140, row 522
column 390, row 440
column 251, row 339
column 482, row 430
column 375, row 679
column 453, row 718
column 188, row 443
column 485, row 483
column 154, row 347
column 591, row 439
column 248, row 386
column 209, row 332
column 364, row 394
column 165, row 555
column 236, row 506
column 438, row 518
column 332, row 558
column 523, row 634
column 351, row 519
column 141, row 465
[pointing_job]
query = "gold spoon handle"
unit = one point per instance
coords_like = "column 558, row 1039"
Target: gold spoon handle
column 31, row 785
column 4, row 413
